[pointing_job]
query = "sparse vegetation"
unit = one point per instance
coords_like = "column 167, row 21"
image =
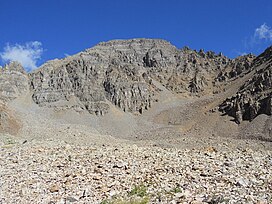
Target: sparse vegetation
column 176, row 190
column 138, row 195
column 140, row 191
column 144, row 200
column 10, row 141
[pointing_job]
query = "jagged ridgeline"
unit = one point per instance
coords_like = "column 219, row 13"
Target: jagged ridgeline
column 125, row 73
column 254, row 97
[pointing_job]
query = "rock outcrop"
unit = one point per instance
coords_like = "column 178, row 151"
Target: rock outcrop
column 126, row 88
column 13, row 81
column 121, row 72
column 110, row 72
column 199, row 72
column 254, row 97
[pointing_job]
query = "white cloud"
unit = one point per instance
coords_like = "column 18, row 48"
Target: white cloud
column 263, row 32
column 27, row 54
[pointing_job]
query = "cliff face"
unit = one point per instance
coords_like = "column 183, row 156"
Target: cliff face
column 132, row 75
column 109, row 72
column 122, row 72
column 13, row 81
column 254, row 97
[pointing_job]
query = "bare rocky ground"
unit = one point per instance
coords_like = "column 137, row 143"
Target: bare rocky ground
column 158, row 157
column 57, row 172
column 135, row 122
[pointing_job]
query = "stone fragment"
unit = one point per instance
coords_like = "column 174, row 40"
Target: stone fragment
column 54, row 188
column 71, row 200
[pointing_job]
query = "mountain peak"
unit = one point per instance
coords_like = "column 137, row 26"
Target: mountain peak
column 14, row 66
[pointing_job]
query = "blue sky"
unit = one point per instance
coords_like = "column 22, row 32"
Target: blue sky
column 36, row 31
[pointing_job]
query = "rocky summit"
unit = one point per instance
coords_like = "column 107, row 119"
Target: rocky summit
column 138, row 121
column 123, row 72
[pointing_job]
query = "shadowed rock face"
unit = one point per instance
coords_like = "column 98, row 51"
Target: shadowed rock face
column 254, row 97
column 121, row 72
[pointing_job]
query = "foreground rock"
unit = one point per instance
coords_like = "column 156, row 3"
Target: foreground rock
column 61, row 173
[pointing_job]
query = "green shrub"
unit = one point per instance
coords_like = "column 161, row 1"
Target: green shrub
column 140, row 191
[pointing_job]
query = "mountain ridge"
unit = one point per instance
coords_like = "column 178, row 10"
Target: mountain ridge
column 140, row 55
column 135, row 75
